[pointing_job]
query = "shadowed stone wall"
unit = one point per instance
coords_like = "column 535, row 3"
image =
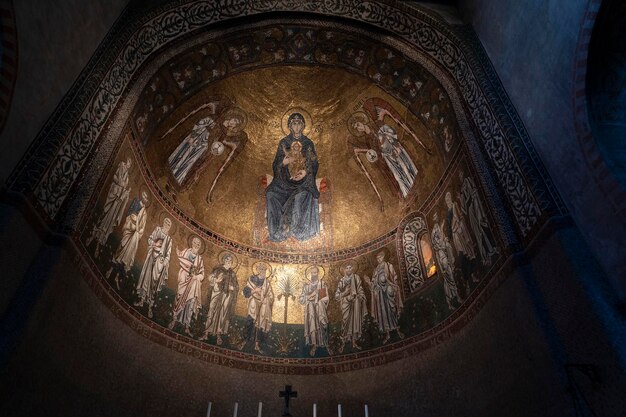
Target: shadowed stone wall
column 532, row 45
column 55, row 40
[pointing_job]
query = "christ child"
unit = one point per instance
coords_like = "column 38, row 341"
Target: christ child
column 298, row 161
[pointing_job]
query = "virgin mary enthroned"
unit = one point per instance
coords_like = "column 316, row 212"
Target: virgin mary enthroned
column 292, row 197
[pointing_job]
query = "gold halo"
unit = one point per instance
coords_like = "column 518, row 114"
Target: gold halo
column 190, row 238
column 234, row 111
column 359, row 116
column 355, row 266
column 223, row 253
column 269, row 268
column 320, row 267
column 144, row 188
column 308, row 121
column 162, row 217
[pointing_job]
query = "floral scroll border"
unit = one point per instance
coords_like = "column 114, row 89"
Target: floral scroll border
column 410, row 232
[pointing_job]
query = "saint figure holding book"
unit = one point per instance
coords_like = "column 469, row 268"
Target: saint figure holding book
column 314, row 298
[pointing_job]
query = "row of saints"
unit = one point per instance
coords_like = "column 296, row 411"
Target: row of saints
column 386, row 303
column 258, row 290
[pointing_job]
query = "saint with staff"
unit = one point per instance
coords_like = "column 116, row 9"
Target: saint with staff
column 258, row 291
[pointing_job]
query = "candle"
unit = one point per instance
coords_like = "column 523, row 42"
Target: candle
column 314, row 409
column 260, row 409
column 367, row 411
column 208, row 410
column 235, row 410
column 338, row 410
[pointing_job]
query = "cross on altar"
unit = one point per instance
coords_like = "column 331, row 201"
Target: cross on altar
column 287, row 394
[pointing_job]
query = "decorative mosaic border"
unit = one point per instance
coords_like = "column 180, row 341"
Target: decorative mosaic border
column 544, row 189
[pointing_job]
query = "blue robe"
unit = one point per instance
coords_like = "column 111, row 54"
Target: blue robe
column 292, row 206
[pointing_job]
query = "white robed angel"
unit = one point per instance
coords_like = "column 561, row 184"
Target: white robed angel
column 191, row 149
column 396, row 163
column 397, row 159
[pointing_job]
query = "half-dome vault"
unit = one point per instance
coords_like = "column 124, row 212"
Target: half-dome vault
column 295, row 191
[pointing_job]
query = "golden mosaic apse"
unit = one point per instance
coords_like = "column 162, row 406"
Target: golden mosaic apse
column 330, row 97
column 291, row 194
